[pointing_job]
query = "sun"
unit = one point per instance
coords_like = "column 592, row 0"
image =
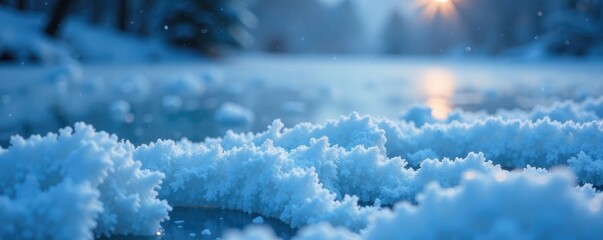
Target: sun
column 432, row 8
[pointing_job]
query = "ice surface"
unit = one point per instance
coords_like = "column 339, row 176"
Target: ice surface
column 258, row 220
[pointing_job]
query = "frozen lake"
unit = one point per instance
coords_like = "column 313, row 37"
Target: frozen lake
column 304, row 88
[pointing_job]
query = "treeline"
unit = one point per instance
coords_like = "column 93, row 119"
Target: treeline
column 486, row 27
column 203, row 25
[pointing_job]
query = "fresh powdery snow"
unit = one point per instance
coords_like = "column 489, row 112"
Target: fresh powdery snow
column 75, row 185
column 530, row 204
column 511, row 175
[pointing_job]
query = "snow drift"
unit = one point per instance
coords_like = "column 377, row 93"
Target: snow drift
column 530, row 204
column 340, row 173
column 76, row 185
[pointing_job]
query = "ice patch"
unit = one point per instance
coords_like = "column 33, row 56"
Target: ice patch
column 258, row 220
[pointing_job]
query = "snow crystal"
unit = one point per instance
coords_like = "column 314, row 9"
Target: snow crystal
column 531, row 204
column 528, row 204
column 340, row 173
column 334, row 178
column 102, row 189
column 206, row 232
column 357, row 159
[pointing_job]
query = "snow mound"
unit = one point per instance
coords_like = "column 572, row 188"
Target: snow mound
column 588, row 110
column 186, row 85
column 306, row 185
column 234, row 116
column 530, row 204
column 313, row 173
column 505, row 205
column 511, row 143
column 341, row 173
column 76, row 185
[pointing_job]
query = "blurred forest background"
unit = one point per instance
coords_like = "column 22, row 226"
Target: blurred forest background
column 451, row 27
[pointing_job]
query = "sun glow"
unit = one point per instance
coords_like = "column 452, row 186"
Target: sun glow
column 433, row 8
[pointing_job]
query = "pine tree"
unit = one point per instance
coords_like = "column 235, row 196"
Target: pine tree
column 347, row 32
column 208, row 25
column 573, row 26
column 58, row 14
column 395, row 34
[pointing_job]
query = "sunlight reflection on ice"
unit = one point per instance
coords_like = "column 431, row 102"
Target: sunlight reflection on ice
column 438, row 87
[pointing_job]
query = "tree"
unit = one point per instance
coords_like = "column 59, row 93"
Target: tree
column 123, row 15
column 97, row 11
column 207, row 25
column 21, row 4
column 143, row 17
column 346, row 29
column 573, row 26
column 291, row 25
column 394, row 34
column 58, row 14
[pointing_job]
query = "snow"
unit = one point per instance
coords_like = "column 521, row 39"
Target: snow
column 102, row 189
column 416, row 148
column 251, row 233
column 530, row 204
column 78, row 42
column 303, row 175
column 338, row 173
column 234, row 116
column 356, row 159
column 23, row 38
